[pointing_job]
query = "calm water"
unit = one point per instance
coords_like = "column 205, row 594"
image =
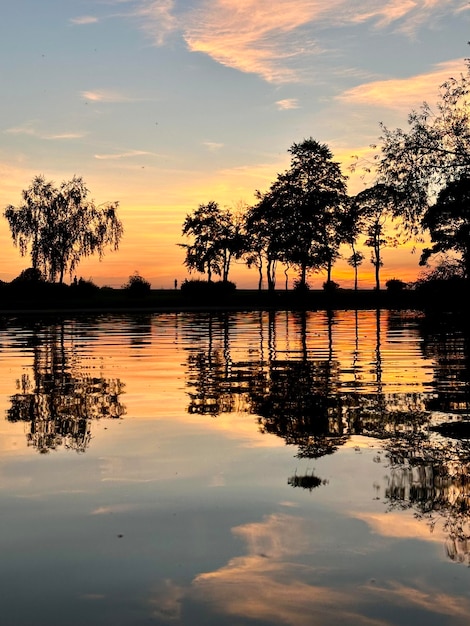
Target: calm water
column 234, row 469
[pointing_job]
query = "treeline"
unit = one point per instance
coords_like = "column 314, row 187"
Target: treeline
column 419, row 184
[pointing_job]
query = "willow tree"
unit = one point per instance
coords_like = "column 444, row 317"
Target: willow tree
column 58, row 226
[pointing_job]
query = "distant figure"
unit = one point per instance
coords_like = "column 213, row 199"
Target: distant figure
column 176, row 284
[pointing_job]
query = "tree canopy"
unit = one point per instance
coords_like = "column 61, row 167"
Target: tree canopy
column 299, row 218
column 216, row 235
column 448, row 222
column 58, row 226
column 433, row 152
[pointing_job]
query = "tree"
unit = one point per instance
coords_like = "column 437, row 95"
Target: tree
column 448, row 222
column 59, row 226
column 216, row 240
column 319, row 201
column 355, row 260
column 377, row 206
column 300, row 216
column 264, row 229
column 432, row 153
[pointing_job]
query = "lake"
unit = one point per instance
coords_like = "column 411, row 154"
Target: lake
column 240, row 468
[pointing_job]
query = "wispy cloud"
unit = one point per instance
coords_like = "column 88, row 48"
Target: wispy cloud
column 123, row 155
column 404, row 93
column 84, row 19
column 213, row 146
column 155, row 17
column 255, row 36
column 275, row 39
column 102, row 95
column 29, row 129
column 287, row 104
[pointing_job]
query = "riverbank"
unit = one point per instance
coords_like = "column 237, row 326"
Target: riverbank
column 166, row 300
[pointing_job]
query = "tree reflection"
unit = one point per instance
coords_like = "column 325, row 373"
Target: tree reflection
column 216, row 384
column 295, row 387
column 430, row 473
column 298, row 400
column 57, row 401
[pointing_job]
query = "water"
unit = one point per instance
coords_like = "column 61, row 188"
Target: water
column 234, row 469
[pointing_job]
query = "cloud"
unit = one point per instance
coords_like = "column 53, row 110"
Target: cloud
column 123, row 155
column 102, row 95
column 213, row 146
column 277, row 39
column 65, row 136
column 84, row 19
column 28, row 128
column 287, row 104
column 156, row 18
column 256, row 36
column 403, row 93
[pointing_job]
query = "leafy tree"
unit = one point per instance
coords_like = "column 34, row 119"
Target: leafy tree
column 433, row 152
column 377, row 206
column 355, row 260
column 216, row 240
column 264, row 231
column 300, row 218
column 353, row 224
column 59, row 226
column 319, row 203
column 448, row 222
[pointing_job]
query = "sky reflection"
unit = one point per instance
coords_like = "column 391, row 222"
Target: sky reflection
column 236, row 469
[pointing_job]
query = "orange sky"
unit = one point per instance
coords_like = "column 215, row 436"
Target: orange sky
column 174, row 104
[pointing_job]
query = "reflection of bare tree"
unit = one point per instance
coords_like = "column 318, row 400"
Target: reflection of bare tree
column 59, row 403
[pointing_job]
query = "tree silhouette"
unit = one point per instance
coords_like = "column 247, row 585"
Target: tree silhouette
column 434, row 151
column 298, row 221
column 448, row 222
column 59, row 226
column 375, row 207
column 58, row 403
column 217, row 239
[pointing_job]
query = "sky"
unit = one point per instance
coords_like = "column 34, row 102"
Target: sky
column 163, row 105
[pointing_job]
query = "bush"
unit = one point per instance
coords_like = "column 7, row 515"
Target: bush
column 196, row 287
column 84, row 287
column 330, row 285
column 29, row 276
column 395, row 285
column 137, row 285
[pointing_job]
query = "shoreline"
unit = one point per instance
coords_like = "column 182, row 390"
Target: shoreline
column 33, row 303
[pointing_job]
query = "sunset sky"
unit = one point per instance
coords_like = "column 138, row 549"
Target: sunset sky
column 167, row 104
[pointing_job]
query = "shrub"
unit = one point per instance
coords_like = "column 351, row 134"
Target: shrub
column 137, row 285
column 395, row 285
column 330, row 285
column 29, row 276
column 196, row 287
column 84, row 287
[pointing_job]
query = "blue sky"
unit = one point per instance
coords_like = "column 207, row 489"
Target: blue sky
column 164, row 105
